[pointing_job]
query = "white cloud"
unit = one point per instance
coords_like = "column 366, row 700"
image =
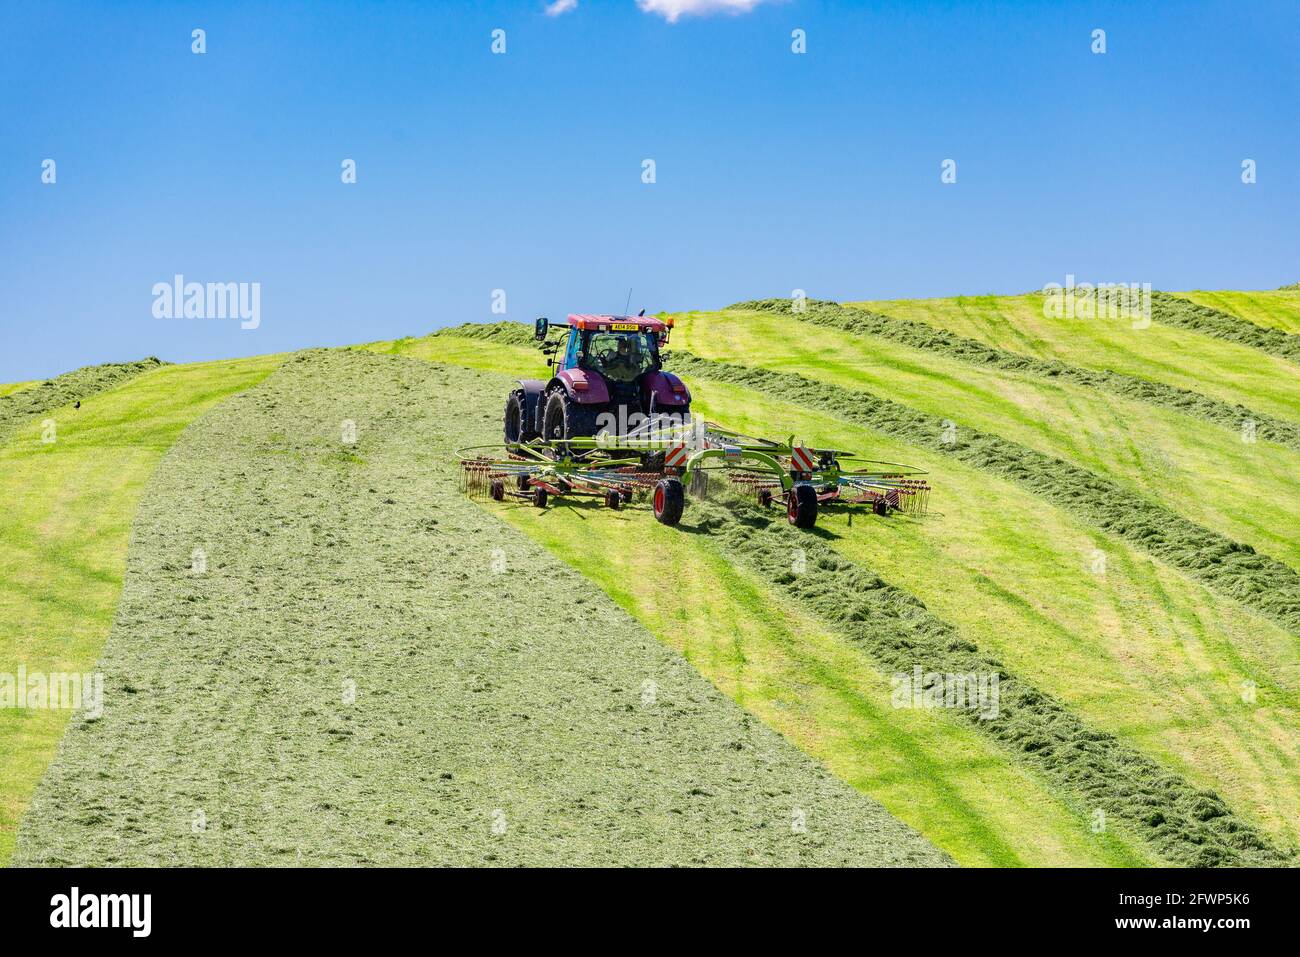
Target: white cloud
column 560, row 6
column 671, row 10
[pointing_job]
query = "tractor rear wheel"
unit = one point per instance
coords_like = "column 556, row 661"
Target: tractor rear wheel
column 516, row 429
column 564, row 418
column 669, row 500
column 801, row 506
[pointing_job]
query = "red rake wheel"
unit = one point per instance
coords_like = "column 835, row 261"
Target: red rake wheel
column 801, row 506
column 669, row 500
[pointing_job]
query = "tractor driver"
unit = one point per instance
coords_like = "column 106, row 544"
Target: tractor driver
column 625, row 364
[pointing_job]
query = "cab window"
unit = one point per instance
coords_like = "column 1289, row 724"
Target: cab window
column 621, row 356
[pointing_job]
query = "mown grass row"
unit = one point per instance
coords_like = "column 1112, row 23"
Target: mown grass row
column 1172, row 310
column 1270, row 308
column 77, row 386
column 859, row 321
column 1187, row 825
column 1228, row 567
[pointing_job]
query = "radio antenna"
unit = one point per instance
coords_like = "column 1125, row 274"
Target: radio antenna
column 629, row 301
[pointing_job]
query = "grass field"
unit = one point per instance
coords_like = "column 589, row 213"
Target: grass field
column 981, row 560
column 1225, row 370
column 1243, row 490
column 1153, row 685
column 64, row 534
column 1273, row 309
column 367, row 671
column 11, row 387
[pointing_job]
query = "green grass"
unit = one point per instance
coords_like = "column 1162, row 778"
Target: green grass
column 981, row 559
column 10, row 388
column 1227, row 371
column 1272, row 309
column 489, row 681
column 1141, row 650
column 64, row 530
column 1245, row 491
column 1013, row 572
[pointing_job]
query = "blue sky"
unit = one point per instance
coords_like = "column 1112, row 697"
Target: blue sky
column 523, row 171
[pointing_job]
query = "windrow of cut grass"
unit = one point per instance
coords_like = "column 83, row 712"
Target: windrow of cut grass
column 69, row 504
column 1228, row 371
column 1186, row 825
column 22, row 404
column 370, row 669
column 866, row 322
column 1273, row 309
column 1173, row 310
column 1230, row 568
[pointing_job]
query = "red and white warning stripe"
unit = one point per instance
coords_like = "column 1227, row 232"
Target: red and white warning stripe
column 675, row 457
column 801, row 459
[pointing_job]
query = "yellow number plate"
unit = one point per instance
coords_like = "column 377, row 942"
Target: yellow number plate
column 624, row 326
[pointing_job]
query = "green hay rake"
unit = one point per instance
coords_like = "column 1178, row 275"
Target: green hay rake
column 664, row 460
column 539, row 470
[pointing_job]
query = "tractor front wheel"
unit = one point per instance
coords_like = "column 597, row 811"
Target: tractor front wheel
column 801, row 506
column 669, row 500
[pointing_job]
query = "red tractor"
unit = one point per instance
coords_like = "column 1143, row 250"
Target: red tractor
column 606, row 377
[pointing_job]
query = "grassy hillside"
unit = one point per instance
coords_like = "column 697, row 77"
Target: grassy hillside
column 1228, row 371
column 64, row 534
column 1273, row 309
column 982, row 564
column 1101, row 536
column 368, row 671
column 1206, row 473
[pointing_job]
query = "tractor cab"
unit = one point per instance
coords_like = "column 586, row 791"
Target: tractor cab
column 618, row 348
column 606, row 376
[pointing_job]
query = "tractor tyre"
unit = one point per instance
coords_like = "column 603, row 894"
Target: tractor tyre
column 801, row 506
column 539, row 497
column 565, row 419
column 498, row 490
column 613, row 499
column 516, row 429
column 669, row 500
column 521, row 481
